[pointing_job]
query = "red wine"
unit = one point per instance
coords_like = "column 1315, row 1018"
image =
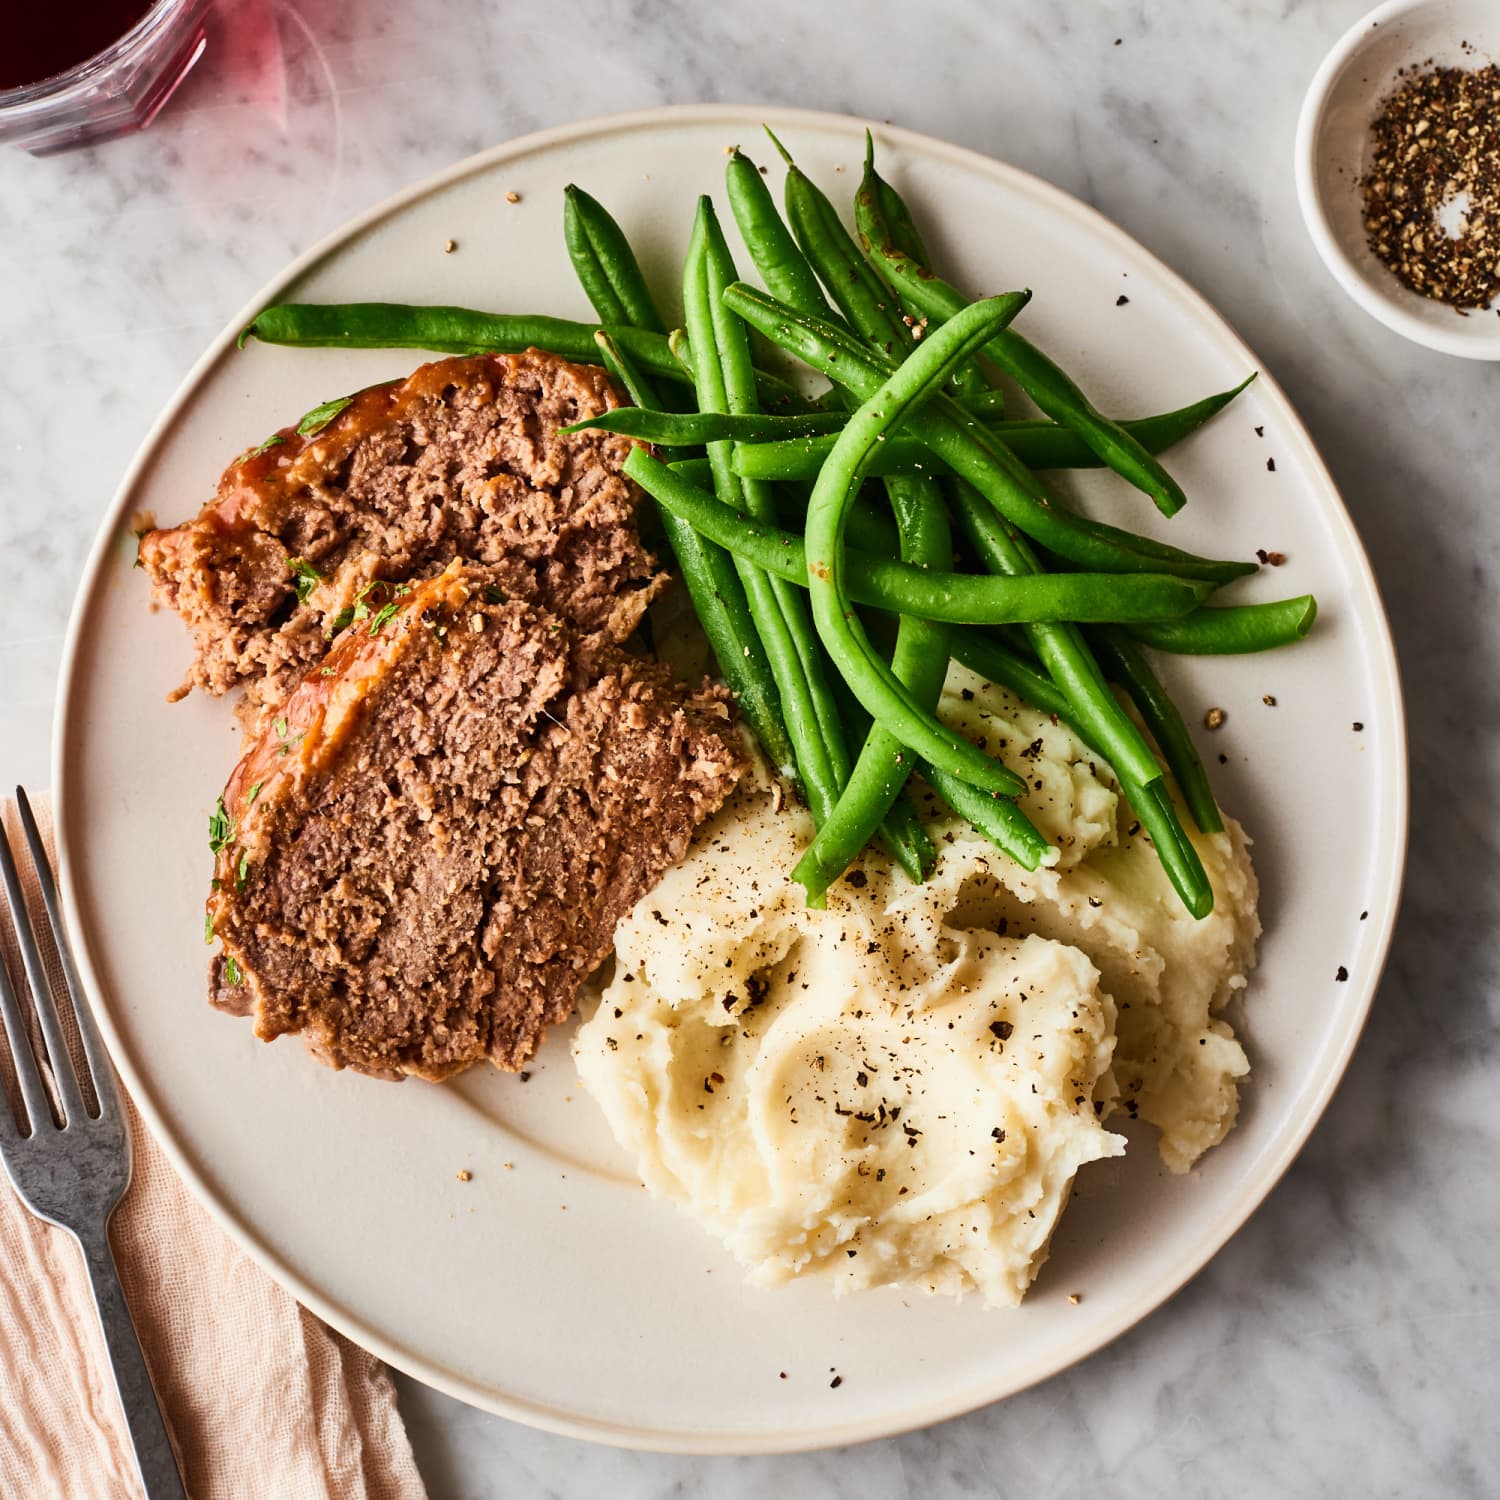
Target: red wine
column 40, row 41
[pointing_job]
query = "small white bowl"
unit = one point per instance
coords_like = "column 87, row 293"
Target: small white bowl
column 1332, row 139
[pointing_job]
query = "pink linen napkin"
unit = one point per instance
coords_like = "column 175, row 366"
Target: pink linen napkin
column 263, row 1400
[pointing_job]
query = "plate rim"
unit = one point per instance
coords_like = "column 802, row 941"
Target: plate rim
column 1380, row 652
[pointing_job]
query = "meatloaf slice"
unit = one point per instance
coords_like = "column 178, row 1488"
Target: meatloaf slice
column 462, row 459
column 427, row 850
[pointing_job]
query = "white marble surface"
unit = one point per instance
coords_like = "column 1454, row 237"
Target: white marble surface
column 1348, row 1340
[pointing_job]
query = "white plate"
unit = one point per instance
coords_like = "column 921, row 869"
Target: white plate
column 549, row 1288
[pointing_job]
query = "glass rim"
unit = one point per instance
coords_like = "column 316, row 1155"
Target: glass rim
column 57, row 85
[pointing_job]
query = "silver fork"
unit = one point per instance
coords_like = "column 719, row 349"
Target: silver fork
column 73, row 1175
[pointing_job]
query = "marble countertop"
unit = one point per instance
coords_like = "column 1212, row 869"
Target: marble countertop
column 1348, row 1339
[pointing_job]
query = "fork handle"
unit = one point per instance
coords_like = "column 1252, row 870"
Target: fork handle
column 156, row 1462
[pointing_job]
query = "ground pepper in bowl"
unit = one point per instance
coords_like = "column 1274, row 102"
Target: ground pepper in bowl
column 1432, row 189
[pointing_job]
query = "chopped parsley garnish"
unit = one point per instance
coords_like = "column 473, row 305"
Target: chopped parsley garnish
column 282, row 731
column 307, row 577
column 220, row 828
column 274, row 441
column 242, row 872
column 254, row 792
column 320, row 416
column 384, row 613
column 367, row 602
column 362, row 600
column 208, row 927
column 494, row 595
column 232, row 973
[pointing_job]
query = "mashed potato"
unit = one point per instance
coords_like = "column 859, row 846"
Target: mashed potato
column 902, row 1087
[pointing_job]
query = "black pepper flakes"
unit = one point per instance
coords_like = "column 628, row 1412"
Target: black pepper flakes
column 1342, row 974
column 1121, row 300
column 1432, row 193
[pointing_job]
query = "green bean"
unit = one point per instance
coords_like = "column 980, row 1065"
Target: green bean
column 879, row 204
column 607, row 268
column 883, row 695
column 877, row 196
column 818, row 734
column 900, row 831
column 776, row 255
column 799, row 454
column 697, row 471
column 1061, row 648
column 925, row 593
column 981, row 653
column 970, row 450
column 593, row 278
column 870, row 527
column 1153, row 806
column 810, row 765
column 995, row 819
column 1160, row 557
column 1051, row 445
column 847, row 276
column 1038, row 376
column 623, row 368
column 988, row 406
column 1234, row 629
column 719, row 602
column 1124, row 664
column 619, row 292
column 461, row 330
column 448, row 330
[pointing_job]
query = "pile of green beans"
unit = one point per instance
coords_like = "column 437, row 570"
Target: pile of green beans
column 876, row 792
column 1043, row 381
column 725, row 383
column 795, row 562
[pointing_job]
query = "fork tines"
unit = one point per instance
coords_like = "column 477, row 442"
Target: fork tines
column 57, row 1060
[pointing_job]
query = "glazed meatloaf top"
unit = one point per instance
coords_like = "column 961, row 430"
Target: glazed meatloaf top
column 462, row 459
column 427, row 850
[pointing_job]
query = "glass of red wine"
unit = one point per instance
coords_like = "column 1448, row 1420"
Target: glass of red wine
column 93, row 70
